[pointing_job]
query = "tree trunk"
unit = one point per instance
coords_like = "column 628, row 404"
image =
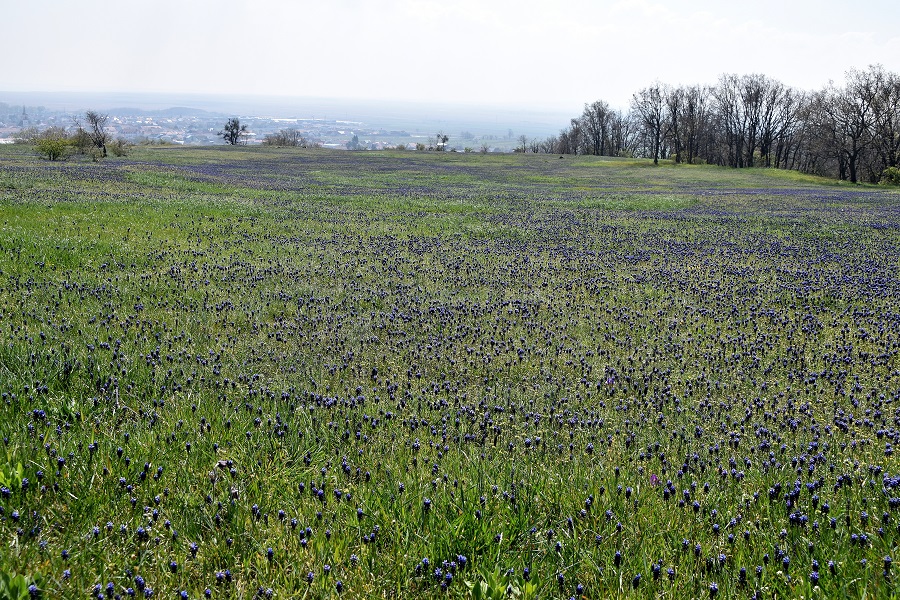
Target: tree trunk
column 656, row 147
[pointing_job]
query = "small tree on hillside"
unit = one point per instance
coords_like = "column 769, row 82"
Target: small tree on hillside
column 234, row 133
column 53, row 143
column 286, row 137
column 441, row 138
column 120, row 147
column 523, row 139
column 96, row 130
column 80, row 140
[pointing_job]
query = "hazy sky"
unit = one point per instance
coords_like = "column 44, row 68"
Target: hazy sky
column 550, row 54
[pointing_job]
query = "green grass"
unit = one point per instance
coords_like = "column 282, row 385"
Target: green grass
column 515, row 338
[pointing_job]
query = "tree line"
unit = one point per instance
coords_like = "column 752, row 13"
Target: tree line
column 849, row 131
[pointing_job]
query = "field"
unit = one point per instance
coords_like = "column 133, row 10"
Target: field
column 277, row 373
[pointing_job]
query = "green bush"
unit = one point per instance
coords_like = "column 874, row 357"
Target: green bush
column 891, row 176
column 53, row 143
column 120, row 147
column 81, row 141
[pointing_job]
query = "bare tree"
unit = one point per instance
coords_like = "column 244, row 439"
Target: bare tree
column 674, row 100
column 649, row 105
column 523, row 140
column 694, row 118
column 622, row 134
column 788, row 137
column 286, row 137
column 729, row 121
column 549, row 145
column 595, row 122
column 96, row 130
column 886, row 117
column 562, row 142
column 844, row 116
column 441, row 140
column 752, row 92
column 575, row 137
column 850, row 131
column 774, row 96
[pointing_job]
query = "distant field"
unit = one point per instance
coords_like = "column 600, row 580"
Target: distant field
column 245, row 371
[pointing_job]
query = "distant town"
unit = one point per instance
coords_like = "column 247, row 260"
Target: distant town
column 198, row 127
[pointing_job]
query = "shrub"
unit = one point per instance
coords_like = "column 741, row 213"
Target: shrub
column 27, row 136
column 81, row 141
column 287, row 137
column 120, row 147
column 891, row 176
column 53, row 143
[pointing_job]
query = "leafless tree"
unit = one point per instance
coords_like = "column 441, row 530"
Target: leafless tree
column 789, row 129
column 562, row 142
column 649, row 106
column 886, row 116
column 752, row 92
column 623, row 130
column 287, row 137
column 576, row 136
column 693, row 118
column 595, row 122
column 850, row 131
column 729, row 120
column 549, row 145
column 523, row 140
column 844, row 116
column 96, row 129
column 674, row 99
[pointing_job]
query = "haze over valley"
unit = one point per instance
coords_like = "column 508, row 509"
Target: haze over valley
column 195, row 119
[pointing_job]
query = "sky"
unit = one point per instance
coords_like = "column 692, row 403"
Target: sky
column 548, row 54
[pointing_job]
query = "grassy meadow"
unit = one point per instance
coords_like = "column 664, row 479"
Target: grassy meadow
column 247, row 372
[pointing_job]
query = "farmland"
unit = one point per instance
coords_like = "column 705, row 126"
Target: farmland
column 290, row 373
